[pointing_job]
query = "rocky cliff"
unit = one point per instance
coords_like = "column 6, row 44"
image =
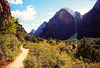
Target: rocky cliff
column 90, row 25
column 5, row 9
column 61, row 26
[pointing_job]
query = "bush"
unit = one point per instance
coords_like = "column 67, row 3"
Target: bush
column 31, row 38
column 87, row 51
column 27, row 44
column 66, row 42
column 8, row 26
column 9, row 47
column 45, row 56
column 29, row 62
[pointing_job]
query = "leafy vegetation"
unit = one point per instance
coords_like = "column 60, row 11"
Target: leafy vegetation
column 46, row 56
column 34, row 39
column 9, row 48
column 8, row 26
column 20, row 33
column 9, row 43
column 51, row 54
column 87, row 51
column 12, row 35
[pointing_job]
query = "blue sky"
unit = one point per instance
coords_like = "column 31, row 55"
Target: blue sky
column 32, row 13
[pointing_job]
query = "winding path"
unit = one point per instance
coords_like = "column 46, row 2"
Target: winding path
column 18, row 63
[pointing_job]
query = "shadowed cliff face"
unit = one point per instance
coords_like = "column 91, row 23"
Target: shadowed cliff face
column 5, row 8
column 90, row 25
column 61, row 26
column 40, row 29
column 32, row 31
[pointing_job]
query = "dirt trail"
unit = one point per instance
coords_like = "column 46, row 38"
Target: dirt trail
column 18, row 61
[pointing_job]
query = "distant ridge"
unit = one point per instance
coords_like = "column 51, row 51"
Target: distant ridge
column 39, row 30
column 32, row 31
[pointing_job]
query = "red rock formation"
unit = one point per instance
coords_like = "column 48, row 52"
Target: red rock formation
column 5, row 8
column 61, row 26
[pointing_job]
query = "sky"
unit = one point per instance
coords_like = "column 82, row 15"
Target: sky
column 32, row 13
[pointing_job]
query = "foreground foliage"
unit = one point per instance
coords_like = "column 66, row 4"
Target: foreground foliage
column 9, row 43
column 88, row 51
column 43, row 55
column 49, row 53
column 8, row 26
column 9, row 48
column 60, row 54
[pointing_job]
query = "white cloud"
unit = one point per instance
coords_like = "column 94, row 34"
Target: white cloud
column 83, row 10
column 50, row 13
column 46, row 19
column 26, row 15
column 27, row 26
column 28, row 29
column 24, row 24
column 33, row 24
column 15, row 1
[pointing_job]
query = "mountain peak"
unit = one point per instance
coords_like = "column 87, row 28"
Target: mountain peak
column 44, row 22
column 40, row 29
column 65, row 10
column 70, row 11
column 61, row 26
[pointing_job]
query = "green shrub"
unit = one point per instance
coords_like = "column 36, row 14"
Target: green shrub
column 31, row 38
column 9, row 47
column 27, row 44
column 46, row 56
column 29, row 62
column 87, row 51
column 66, row 42
column 8, row 26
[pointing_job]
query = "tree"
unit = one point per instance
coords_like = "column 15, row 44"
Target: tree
column 8, row 26
column 87, row 51
column 31, row 38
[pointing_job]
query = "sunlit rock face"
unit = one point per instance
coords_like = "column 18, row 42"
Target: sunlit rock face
column 5, row 8
column 90, row 25
column 61, row 26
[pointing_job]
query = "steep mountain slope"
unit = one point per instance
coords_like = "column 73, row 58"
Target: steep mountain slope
column 61, row 26
column 40, row 29
column 90, row 25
